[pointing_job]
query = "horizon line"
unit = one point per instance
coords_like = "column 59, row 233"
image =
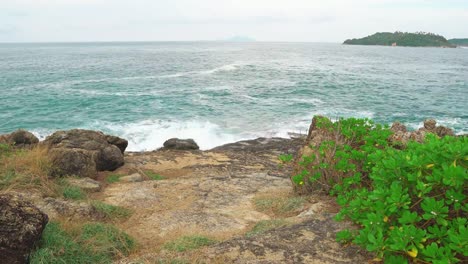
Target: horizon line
column 153, row 41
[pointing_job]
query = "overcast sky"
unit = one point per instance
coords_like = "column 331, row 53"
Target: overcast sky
column 263, row 20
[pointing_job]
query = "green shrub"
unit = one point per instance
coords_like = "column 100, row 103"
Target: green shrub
column 410, row 202
column 154, row 176
column 73, row 193
column 265, row 225
column 111, row 211
column 186, row 243
column 113, row 178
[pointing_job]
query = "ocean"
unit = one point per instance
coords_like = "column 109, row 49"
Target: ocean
column 217, row 92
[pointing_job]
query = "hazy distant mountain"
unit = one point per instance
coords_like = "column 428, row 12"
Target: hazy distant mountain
column 240, row 39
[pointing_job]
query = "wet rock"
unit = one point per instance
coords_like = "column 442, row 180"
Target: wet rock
column 136, row 177
column 20, row 138
column 84, row 152
column 21, row 226
column 181, row 144
column 86, row 184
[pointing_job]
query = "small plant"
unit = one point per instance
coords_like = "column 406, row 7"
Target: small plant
column 186, row 243
column 154, row 176
column 111, row 211
column 265, row 225
column 113, row 178
column 73, row 193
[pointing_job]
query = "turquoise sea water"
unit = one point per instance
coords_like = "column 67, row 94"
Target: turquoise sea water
column 219, row 92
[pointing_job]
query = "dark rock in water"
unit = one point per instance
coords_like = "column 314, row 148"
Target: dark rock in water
column 20, row 138
column 181, row 144
column 21, row 226
column 84, row 152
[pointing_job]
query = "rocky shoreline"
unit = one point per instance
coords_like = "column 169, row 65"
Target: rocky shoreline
column 179, row 190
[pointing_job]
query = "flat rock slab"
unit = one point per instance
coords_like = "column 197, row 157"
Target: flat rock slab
column 312, row 241
column 212, row 193
column 86, row 184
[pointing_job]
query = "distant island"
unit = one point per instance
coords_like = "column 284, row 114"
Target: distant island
column 459, row 42
column 418, row 39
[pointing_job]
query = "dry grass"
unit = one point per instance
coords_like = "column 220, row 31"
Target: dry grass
column 27, row 169
column 284, row 204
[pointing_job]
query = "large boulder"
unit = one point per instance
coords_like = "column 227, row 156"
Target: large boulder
column 19, row 138
column 21, row 226
column 84, row 152
column 181, row 144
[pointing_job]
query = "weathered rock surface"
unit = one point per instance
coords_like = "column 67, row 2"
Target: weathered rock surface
column 181, row 144
column 312, row 241
column 21, row 225
column 19, row 138
column 86, row 184
column 135, row 177
column 55, row 208
column 84, row 152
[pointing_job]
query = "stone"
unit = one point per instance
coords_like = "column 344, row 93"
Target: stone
column 313, row 210
column 398, row 127
column 21, row 226
column 119, row 142
column 430, row 124
column 86, row 184
column 136, row 177
column 20, row 138
column 442, row 131
column 56, row 208
column 76, row 162
column 84, row 152
column 181, row 144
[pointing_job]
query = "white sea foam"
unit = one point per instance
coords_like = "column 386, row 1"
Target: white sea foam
column 228, row 67
column 151, row 134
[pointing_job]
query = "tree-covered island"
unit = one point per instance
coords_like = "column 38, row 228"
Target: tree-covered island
column 459, row 41
column 418, row 39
